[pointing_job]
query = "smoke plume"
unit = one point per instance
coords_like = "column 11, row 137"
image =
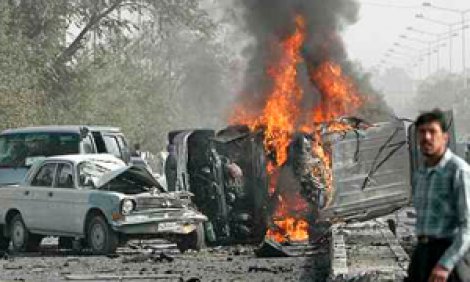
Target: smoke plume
column 271, row 21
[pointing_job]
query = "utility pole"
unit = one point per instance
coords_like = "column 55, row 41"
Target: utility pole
column 463, row 26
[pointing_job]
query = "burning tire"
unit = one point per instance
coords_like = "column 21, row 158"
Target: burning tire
column 194, row 240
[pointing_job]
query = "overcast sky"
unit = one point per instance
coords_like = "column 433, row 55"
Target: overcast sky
column 381, row 22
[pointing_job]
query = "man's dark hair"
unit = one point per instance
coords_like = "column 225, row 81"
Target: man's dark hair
column 435, row 115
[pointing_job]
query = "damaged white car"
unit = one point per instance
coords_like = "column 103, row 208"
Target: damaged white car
column 96, row 201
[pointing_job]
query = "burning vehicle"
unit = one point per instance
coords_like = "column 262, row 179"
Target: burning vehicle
column 324, row 163
column 357, row 173
column 97, row 201
column 306, row 159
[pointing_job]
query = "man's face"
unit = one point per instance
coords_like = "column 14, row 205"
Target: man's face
column 432, row 140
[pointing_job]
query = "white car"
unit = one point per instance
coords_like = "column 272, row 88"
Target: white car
column 97, row 200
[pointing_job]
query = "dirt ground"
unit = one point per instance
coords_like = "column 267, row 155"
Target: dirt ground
column 151, row 261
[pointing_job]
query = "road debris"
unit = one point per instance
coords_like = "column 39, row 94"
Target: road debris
column 161, row 257
column 365, row 250
column 101, row 277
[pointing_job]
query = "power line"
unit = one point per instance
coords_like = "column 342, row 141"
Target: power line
column 384, row 5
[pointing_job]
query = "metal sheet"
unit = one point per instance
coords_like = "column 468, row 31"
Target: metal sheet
column 371, row 173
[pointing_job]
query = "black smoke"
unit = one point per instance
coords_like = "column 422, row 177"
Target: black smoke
column 271, row 21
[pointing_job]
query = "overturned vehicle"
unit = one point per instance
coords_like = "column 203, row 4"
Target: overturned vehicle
column 94, row 201
column 226, row 172
column 359, row 172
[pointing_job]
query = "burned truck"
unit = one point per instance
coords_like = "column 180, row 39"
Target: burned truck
column 368, row 171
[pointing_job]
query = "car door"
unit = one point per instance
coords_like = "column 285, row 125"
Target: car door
column 371, row 173
column 40, row 215
column 68, row 202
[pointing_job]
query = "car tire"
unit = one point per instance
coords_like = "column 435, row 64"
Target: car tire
column 19, row 234
column 100, row 237
column 4, row 240
column 192, row 241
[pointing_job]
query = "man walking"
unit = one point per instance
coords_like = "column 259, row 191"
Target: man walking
column 441, row 196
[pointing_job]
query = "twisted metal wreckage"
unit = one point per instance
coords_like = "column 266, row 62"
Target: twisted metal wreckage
column 366, row 175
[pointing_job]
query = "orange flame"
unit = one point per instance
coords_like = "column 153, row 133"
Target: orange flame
column 290, row 228
column 339, row 95
column 281, row 110
column 282, row 116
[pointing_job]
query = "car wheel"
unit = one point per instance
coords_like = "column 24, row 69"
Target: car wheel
column 19, row 234
column 4, row 240
column 194, row 240
column 100, row 237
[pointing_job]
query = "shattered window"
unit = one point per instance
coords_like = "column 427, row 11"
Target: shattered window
column 45, row 176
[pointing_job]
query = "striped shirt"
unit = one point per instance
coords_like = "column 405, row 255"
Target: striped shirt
column 441, row 196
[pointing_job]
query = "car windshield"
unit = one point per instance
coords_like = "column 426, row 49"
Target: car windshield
column 22, row 149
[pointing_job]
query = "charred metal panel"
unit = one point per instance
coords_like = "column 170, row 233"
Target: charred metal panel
column 371, row 172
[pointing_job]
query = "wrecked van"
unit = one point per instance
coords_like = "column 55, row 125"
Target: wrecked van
column 21, row 147
column 94, row 201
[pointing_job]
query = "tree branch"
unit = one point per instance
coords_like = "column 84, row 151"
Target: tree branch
column 67, row 54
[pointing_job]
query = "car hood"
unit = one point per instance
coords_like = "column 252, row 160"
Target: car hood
column 138, row 175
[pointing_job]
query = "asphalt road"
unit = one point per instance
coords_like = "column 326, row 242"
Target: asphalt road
column 159, row 261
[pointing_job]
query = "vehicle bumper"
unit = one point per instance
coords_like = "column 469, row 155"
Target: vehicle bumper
column 169, row 222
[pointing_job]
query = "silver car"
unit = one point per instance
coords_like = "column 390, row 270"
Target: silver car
column 97, row 201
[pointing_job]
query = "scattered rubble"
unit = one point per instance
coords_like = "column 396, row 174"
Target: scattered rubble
column 161, row 257
column 100, row 277
column 270, row 248
column 136, row 263
column 365, row 251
